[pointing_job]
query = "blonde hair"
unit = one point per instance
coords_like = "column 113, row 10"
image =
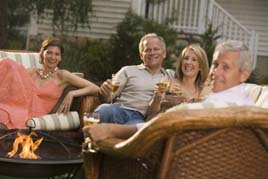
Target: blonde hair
column 203, row 63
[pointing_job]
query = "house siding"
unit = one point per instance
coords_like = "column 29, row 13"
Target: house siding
column 106, row 15
column 253, row 15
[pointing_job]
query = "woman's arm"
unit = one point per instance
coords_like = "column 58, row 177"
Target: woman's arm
column 85, row 88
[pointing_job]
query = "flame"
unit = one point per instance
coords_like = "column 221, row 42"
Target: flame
column 27, row 145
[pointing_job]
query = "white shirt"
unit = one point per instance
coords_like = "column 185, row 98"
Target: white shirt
column 235, row 94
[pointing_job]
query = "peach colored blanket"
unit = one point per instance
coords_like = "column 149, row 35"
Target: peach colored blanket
column 20, row 98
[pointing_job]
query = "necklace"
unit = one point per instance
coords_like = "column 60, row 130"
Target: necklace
column 43, row 75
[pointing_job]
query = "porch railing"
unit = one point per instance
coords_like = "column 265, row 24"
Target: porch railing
column 193, row 16
column 231, row 28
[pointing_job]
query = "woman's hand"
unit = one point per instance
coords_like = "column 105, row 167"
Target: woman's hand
column 176, row 88
column 66, row 103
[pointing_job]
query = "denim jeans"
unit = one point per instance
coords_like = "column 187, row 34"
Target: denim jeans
column 113, row 113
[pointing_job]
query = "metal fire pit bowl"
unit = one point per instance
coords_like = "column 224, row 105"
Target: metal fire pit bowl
column 60, row 154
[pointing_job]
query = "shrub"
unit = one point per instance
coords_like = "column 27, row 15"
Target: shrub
column 91, row 58
column 258, row 78
column 209, row 39
column 125, row 42
column 98, row 59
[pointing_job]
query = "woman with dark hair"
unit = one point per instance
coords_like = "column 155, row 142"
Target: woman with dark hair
column 33, row 92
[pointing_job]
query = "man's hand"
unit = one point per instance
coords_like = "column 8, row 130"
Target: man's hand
column 103, row 131
column 160, row 90
column 97, row 132
column 106, row 90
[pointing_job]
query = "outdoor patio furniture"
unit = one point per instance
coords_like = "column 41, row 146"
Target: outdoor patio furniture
column 224, row 143
column 31, row 59
column 60, row 150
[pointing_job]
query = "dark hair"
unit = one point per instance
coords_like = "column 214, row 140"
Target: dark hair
column 47, row 43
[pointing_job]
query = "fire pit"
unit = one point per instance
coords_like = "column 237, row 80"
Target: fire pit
column 60, row 153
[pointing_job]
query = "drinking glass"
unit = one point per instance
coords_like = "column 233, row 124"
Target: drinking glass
column 115, row 86
column 164, row 83
column 90, row 119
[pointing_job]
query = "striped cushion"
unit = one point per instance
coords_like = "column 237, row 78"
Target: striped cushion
column 26, row 59
column 263, row 99
column 203, row 105
column 55, row 122
column 253, row 91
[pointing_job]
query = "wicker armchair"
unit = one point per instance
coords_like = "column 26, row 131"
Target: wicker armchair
column 207, row 143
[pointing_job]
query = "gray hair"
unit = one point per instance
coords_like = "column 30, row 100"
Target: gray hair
column 244, row 60
column 152, row 35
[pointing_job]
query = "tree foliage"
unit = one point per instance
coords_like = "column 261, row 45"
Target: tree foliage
column 98, row 59
column 209, row 40
column 129, row 32
column 67, row 15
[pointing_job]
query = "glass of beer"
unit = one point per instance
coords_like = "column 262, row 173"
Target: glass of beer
column 88, row 146
column 164, row 83
column 90, row 119
column 115, row 86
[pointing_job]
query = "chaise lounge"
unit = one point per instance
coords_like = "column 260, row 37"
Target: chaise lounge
column 227, row 143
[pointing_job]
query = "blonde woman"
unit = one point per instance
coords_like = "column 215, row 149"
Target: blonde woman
column 188, row 84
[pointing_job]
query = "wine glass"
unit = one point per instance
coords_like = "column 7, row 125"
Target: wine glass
column 164, row 83
column 115, row 86
column 90, row 119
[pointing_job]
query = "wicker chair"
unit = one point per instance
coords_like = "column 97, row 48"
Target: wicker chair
column 205, row 144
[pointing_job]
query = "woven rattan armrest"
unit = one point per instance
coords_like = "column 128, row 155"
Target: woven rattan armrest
column 165, row 124
column 88, row 104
